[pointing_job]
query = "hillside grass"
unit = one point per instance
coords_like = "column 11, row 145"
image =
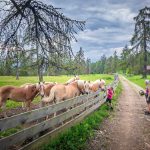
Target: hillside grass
column 76, row 137
column 138, row 80
column 11, row 80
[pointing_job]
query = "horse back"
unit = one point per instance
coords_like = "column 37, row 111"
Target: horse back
column 72, row 90
column 10, row 92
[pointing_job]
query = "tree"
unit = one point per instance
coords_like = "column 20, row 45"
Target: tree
column 37, row 22
column 124, row 62
column 88, row 68
column 80, row 62
column 141, row 37
column 109, row 65
column 115, row 62
column 103, row 64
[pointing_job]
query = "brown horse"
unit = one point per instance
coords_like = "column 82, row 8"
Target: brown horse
column 20, row 94
column 96, row 85
column 46, row 88
column 61, row 92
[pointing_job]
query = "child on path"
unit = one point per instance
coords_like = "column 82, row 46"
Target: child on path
column 110, row 93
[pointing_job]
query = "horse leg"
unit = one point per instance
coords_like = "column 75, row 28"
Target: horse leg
column 23, row 105
column 56, row 101
column 28, row 105
column 4, row 109
column 41, row 104
column 3, row 106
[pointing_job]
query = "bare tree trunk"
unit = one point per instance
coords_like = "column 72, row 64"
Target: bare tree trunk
column 7, row 68
column 38, row 66
column 17, row 67
column 40, row 74
column 17, row 57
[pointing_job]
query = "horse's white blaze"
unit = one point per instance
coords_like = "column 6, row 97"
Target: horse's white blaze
column 87, row 87
column 40, row 86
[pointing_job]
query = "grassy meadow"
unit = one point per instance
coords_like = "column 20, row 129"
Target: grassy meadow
column 11, row 80
column 138, row 80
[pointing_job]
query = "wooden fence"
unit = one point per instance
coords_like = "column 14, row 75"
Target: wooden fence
column 37, row 130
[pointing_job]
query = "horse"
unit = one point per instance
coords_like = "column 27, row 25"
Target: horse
column 96, row 85
column 72, row 79
column 20, row 94
column 45, row 88
column 61, row 92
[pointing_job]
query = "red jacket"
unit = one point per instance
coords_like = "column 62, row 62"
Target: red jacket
column 110, row 93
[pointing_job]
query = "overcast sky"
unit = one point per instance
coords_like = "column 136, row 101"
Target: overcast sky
column 109, row 23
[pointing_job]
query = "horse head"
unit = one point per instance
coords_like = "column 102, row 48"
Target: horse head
column 87, row 87
column 102, row 84
column 83, row 86
column 40, row 87
column 77, row 78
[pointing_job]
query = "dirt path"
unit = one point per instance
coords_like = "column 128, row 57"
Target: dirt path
column 128, row 128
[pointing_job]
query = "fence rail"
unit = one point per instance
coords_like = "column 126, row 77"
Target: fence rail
column 76, row 109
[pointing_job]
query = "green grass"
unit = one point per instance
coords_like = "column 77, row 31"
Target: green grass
column 138, row 80
column 11, row 80
column 75, row 138
column 9, row 132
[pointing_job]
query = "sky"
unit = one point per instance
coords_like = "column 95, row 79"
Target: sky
column 109, row 24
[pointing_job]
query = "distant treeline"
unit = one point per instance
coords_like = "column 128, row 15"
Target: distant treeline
column 129, row 62
column 26, row 64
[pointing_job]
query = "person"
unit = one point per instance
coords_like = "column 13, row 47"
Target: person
column 147, row 96
column 116, row 77
column 110, row 93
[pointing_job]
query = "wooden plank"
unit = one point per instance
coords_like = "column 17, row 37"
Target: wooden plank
column 31, row 131
column 29, row 116
column 45, row 139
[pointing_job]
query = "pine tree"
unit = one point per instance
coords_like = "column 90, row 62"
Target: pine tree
column 115, row 62
column 80, row 62
column 141, row 37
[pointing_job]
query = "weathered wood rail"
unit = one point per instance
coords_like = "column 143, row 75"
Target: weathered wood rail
column 41, row 130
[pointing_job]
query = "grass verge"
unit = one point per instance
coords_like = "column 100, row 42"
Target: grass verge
column 75, row 138
column 138, row 80
column 9, row 132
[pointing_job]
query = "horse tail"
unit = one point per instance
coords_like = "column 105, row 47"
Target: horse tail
column 50, row 98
